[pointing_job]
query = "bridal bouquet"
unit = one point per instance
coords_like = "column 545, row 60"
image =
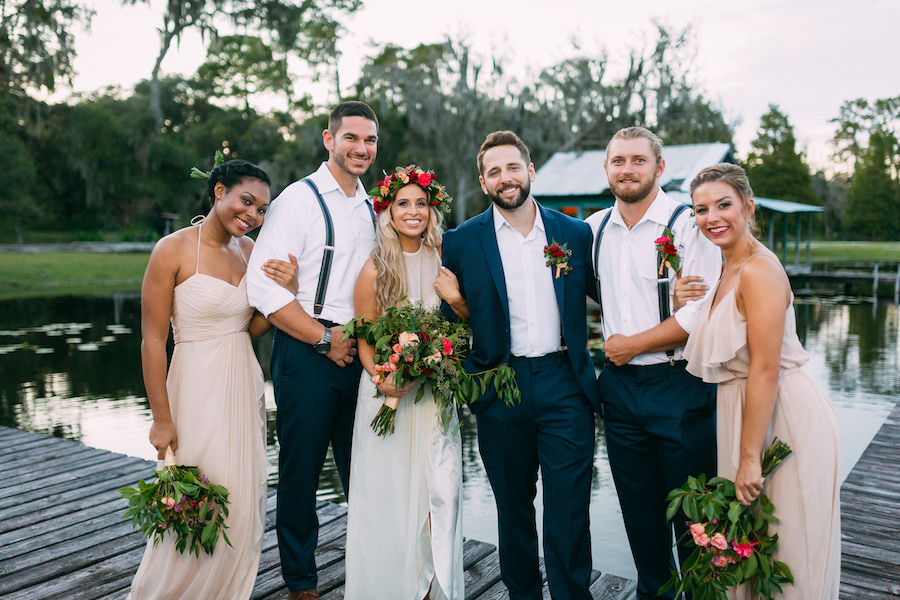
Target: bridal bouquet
column 732, row 542
column 415, row 344
column 181, row 502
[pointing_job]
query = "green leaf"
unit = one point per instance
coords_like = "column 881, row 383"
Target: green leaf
column 734, row 511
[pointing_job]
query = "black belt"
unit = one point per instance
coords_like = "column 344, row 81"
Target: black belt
column 535, row 362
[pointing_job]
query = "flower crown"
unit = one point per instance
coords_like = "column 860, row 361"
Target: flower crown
column 383, row 192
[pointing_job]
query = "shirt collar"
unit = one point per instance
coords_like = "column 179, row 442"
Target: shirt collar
column 326, row 183
column 657, row 211
column 500, row 221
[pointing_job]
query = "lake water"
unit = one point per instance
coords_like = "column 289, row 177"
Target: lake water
column 70, row 367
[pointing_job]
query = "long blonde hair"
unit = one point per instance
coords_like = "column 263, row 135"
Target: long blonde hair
column 390, row 284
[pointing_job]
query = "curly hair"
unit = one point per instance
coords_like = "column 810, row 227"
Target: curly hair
column 391, row 284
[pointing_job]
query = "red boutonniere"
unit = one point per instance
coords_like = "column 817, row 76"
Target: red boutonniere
column 668, row 253
column 558, row 255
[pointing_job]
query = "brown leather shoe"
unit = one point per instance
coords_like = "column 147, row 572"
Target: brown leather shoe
column 304, row 595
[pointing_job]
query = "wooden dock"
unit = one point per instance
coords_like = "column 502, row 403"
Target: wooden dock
column 62, row 534
column 870, row 519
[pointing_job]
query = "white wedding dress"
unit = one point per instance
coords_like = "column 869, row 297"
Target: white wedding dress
column 404, row 528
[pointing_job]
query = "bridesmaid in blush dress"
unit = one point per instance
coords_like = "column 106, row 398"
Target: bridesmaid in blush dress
column 745, row 341
column 209, row 409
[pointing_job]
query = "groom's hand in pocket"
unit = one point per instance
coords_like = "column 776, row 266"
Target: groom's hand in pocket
column 342, row 350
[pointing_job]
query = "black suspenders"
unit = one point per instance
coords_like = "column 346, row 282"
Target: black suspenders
column 662, row 283
column 328, row 254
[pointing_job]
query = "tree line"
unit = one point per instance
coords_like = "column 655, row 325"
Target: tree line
column 114, row 161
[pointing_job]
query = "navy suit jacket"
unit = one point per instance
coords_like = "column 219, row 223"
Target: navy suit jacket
column 471, row 252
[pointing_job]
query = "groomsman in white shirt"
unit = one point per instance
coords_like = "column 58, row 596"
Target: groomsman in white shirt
column 659, row 419
column 326, row 221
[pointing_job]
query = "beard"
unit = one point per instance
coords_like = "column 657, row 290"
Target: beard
column 343, row 162
column 514, row 203
column 631, row 196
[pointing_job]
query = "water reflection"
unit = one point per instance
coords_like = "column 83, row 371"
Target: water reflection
column 71, row 368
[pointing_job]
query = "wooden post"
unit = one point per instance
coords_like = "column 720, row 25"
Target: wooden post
column 797, row 241
column 897, row 287
column 784, row 229
column 875, row 285
column 809, row 242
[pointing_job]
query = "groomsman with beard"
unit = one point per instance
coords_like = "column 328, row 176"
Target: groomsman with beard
column 659, row 419
column 327, row 222
column 530, row 312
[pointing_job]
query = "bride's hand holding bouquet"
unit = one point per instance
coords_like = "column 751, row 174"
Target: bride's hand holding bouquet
column 414, row 345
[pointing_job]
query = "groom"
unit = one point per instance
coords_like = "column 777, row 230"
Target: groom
column 531, row 315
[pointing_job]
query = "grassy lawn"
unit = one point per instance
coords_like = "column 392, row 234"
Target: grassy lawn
column 851, row 252
column 70, row 273
column 86, row 273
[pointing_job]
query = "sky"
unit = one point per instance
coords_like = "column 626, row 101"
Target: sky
column 805, row 56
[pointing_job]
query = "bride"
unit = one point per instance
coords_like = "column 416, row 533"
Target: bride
column 404, row 531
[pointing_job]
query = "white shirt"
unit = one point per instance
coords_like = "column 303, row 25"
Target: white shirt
column 627, row 267
column 294, row 225
column 533, row 313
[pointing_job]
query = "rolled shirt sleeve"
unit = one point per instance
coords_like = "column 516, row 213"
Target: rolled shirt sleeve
column 701, row 258
column 281, row 234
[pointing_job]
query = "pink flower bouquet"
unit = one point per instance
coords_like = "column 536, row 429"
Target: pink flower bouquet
column 182, row 503
column 732, row 542
column 414, row 344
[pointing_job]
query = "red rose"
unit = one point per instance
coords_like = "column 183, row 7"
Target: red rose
column 669, row 249
column 557, row 252
column 424, row 179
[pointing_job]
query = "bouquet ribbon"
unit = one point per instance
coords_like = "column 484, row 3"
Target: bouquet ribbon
column 168, row 461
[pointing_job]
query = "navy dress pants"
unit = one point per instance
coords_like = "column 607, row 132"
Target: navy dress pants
column 316, row 401
column 552, row 428
column 660, row 428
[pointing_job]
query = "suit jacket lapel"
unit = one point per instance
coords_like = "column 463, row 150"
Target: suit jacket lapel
column 554, row 234
column 488, row 238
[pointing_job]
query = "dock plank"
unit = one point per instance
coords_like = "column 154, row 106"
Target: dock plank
column 870, row 514
column 62, row 534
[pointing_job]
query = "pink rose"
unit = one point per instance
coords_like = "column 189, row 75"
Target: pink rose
column 402, row 176
column 376, row 378
column 408, row 339
column 697, row 529
column 169, row 502
column 424, row 179
column 662, row 240
column 719, row 541
column 392, row 366
column 397, row 348
column 447, row 347
column 433, row 359
column 701, row 540
column 394, row 359
column 718, row 561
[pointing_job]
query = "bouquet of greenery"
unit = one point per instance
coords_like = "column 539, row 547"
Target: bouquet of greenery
column 415, row 344
column 732, row 542
column 183, row 503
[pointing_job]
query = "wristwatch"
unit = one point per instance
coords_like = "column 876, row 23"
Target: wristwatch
column 323, row 346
